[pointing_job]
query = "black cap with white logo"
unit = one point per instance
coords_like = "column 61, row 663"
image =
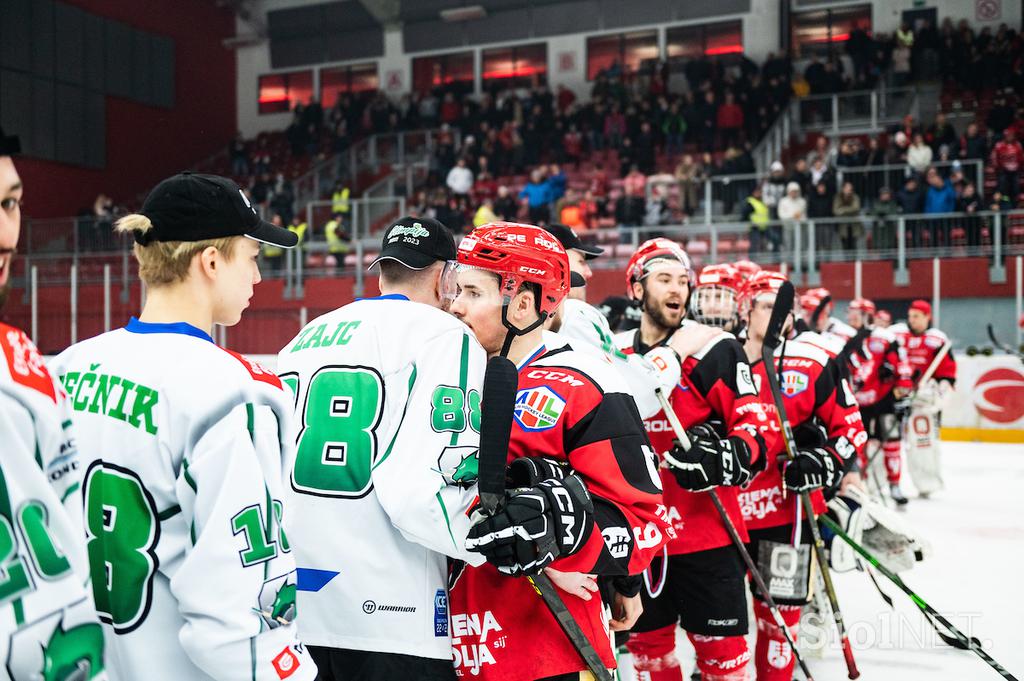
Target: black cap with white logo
column 570, row 240
column 194, row 207
column 417, row 243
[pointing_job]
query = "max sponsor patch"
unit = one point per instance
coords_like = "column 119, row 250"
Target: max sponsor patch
column 794, row 382
column 538, row 408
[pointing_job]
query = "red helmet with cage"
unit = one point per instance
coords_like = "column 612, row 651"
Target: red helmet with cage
column 715, row 295
column 761, row 283
column 747, row 268
column 863, row 305
column 883, row 316
column 811, row 299
column 519, row 254
column 647, row 258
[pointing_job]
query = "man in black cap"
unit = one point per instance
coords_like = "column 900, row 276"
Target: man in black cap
column 183, row 447
column 579, row 255
column 388, row 390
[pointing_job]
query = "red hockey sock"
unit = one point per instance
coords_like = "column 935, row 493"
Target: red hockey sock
column 721, row 658
column 893, row 464
column 773, row 658
column 654, row 655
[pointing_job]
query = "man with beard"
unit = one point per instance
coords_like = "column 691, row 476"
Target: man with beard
column 718, row 404
column 45, row 571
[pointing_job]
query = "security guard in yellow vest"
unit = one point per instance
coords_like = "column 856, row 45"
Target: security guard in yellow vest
column 337, row 239
column 757, row 213
column 339, row 199
column 274, row 255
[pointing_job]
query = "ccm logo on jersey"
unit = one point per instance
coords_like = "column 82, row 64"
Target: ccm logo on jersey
column 286, row 663
column 538, row 408
column 556, row 376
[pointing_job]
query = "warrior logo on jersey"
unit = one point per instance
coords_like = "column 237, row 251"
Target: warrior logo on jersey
column 794, row 383
column 538, row 408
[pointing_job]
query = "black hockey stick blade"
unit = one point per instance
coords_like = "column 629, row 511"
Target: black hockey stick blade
column 1001, row 346
column 501, row 380
column 780, row 312
column 816, row 315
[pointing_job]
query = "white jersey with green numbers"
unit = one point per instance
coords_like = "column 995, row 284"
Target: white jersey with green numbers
column 48, row 625
column 182, row 445
column 388, row 400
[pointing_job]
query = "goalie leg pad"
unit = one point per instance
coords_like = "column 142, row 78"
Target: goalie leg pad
column 773, row 658
column 893, row 461
column 654, row 657
column 721, row 658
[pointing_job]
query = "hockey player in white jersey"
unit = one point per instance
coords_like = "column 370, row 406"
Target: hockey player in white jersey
column 388, row 391
column 48, row 625
column 182, row 445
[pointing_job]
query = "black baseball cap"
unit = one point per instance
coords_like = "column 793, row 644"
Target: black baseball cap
column 569, row 239
column 9, row 144
column 417, row 243
column 194, row 207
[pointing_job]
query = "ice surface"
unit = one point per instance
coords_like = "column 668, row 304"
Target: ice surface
column 973, row 577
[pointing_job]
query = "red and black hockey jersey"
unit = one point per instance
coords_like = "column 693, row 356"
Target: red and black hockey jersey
column 716, row 385
column 814, row 395
column 571, row 407
column 876, row 365
column 921, row 350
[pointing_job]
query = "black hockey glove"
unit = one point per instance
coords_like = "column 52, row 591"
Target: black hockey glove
column 901, row 407
column 812, row 469
column 711, row 462
column 535, row 526
column 529, row 471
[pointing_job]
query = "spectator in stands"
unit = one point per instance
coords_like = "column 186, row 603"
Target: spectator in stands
column 820, row 172
column 1000, row 115
column 802, row 176
column 634, row 186
column 969, row 202
column 940, row 198
column 557, row 182
column 645, row 151
column 911, row 197
column 282, row 200
column 338, row 240
column 460, row 179
column 572, row 143
column 774, row 187
column 941, row 134
column 919, row 155
column 850, row 154
column 792, row 209
column 1007, row 157
column 429, row 110
column 273, row 256
column 673, row 127
column 239, row 156
column 973, row 145
column 824, row 150
column 819, row 207
column 538, row 197
column 485, row 213
column 847, row 204
column 505, row 205
column 259, row 192
column 687, row 175
column 756, row 213
column 571, row 212
column 706, row 118
column 451, row 111
column 901, row 68
column 614, row 126
column 899, row 148
column 883, row 229
column 729, row 120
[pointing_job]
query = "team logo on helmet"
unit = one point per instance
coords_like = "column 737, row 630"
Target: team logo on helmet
column 538, row 408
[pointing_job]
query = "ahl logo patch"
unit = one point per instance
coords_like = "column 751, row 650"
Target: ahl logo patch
column 538, row 408
column 794, row 383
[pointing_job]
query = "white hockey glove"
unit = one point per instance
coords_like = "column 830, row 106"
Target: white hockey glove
column 666, row 368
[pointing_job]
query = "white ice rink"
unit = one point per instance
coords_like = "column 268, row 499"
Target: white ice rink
column 973, row 577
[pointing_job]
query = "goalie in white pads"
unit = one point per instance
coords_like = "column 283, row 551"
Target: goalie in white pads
column 182, row 443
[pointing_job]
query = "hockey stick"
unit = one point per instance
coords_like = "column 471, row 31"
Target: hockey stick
column 1001, row 346
column 755, row 574
column 780, row 312
column 501, row 382
column 963, row 641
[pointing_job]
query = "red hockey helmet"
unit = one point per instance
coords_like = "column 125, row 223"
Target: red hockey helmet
column 715, row 295
column 761, row 283
column 747, row 268
column 811, row 299
column 863, row 305
column 518, row 254
column 647, row 257
column 884, row 316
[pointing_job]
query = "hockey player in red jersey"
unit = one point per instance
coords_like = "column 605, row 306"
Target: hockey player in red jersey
column 575, row 425
column 715, row 386
column 881, row 380
column 746, row 268
column 923, row 343
column 815, row 315
column 715, row 299
column 828, row 429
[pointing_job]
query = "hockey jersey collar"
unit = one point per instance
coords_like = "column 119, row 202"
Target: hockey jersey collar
column 183, row 328
column 539, row 350
column 389, row 296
